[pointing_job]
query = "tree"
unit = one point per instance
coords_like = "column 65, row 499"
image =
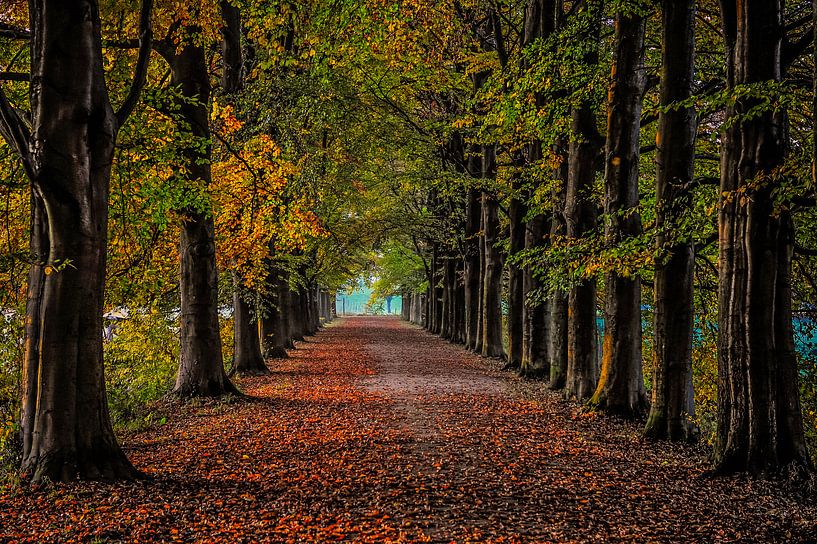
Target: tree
column 673, row 407
column 581, row 218
column 67, row 152
column 760, row 425
column 247, row 356
column 201, row 367
column 492, row 272
column 540, row 23
column 620, row 388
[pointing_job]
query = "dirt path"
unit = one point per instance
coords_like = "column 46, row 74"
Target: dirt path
column 376, row 431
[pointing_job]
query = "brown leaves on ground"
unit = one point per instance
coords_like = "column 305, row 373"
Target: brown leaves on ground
column 378, row 432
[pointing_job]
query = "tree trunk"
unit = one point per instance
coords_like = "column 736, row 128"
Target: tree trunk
column 673, row 408
column 620, row 390
column 494, row 261
column 296, row 316
column 437, row 268
column 405, row 306
column 517, row 209
column 581, row 219
column 558, row 347
column 448, row 297
column 65, row 425
column 536, row 328
column 760, row 427
column 580, row 215
column 201, row 369
column 481, row 303
column 417, row 309
column 459, row 303
column 528, row 323
column 274, row 326
column 473, row 212
column 247, row 358
column 314, row 308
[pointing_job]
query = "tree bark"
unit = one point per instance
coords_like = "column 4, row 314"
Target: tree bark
column 295, row 315
column 275, row 328
column 65, row 425
column 459, row 304
column 536, row 330
column 581, row 219
column 672, row 409
column 201, row 368
column 447, row 319
column 472, row 265
column 492, row 345
column 528, row 322
column 517, row 210
column 760, row 427
column 620, row 389
column 437, row 303
column 247, row 358
column 558, row 346
column 580, row 214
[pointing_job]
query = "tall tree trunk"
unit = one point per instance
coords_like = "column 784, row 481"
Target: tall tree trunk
column 760, row 427
column 274, row 326
column 558, row 348
column 65, row 425
column 247, row 358
column 481, row 308
column 295, row 314
column 459, row 303
column 517, row 210
column 581, row 219
column 494, row 261
column 437, row 267
column 673, row 407
column 314, row 309
column 405, row 305
column 448, row 298
column 620, row 389
column 471, row 288
column 580, row 215
column 536, row 329
column 417, row 309
column 201, row 368
column 527, row 317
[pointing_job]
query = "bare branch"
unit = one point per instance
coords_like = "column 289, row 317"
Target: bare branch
column 9, row 31
column 15, row 76
column 16, row 133
column 142, row 62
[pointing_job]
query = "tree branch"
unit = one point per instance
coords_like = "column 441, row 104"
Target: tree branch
column 9, row 31
column 142, row 62
column 16, row 133
column 15, row 76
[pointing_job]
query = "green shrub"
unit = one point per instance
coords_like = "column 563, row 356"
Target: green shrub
column 140, row 365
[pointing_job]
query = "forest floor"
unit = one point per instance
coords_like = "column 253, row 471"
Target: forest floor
column 376, row 431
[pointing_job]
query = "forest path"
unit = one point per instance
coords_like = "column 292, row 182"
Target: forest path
column 376, row 431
